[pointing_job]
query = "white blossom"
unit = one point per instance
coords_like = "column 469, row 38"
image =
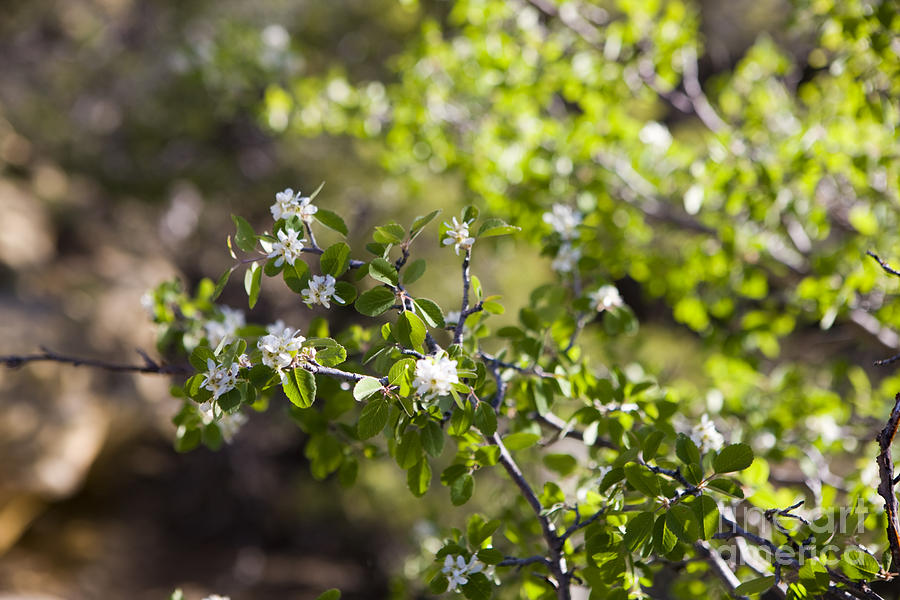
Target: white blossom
column 288, row 204
column 321, row 291
column 706, row 436
column 458, row 235
column 287, row 248
column 434, row 375
column 828, row 429
column 452, row 317
column 226, row 329
column 605, row 298
column 229, row 424
column 656, row 135
column 278, row 349
column 566, row 259
column 564, row 220
column 276, row 328
column 457, row 570
column 219, row 379
column 217, row 597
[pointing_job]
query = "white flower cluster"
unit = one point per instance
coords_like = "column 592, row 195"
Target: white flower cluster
column 458, row 235
column 288, row 247
column 435, row 375
column 320, row 291
column 565, row 221
column 219, row 379
column 458, row 570
column 566, row 259
column 605, row 298
column 288, row 204
column 706, row 436
column 226, row 329
column 229, row 424
column 279, row 346
column 217, row 597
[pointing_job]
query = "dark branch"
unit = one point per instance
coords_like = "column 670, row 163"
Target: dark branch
column 149, row 366
column 463, row 311
column 887, row 268
column 512, row 561
column 557, row 561
column 886, row 486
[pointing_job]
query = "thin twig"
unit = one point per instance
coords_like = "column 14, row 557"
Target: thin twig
column 887, row 268
column 512, row 561
column 149, row 366
column 467, row 281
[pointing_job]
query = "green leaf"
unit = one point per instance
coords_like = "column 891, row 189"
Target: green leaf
column 638, row 530
column 365, row 387
column 245, row 238
column 470, row 213
column 485, row 419
column 735, row 457
column 418, row 478
column 433, row 439
column 430, row 312
column 487, row 456
column 345, row 293
column 683, row 522
column 270, row 269
column 383, row 271
column 479, row 587
column 642, row 480
column 461, row 489
column 520, row 440
column 686, row 450
column 335, row 260
column 726, row 486
column 664, row 539
column 460, row 420
column 331, row 220
column 414, row 271
column 490, row 556
column 755, row 586
column 859, row 564
column 186, row 439
column 373, row 418
column 375, row 301
column 229, row 400
column 409, row 449
column 706, row 512
column 220, row 285
column 392, row 233
column 493, row 227
column 252, row 279
column 332, row 594
column 563, row 464
column 300, row 387
column 295, row 276
column 328, row 352
column 421, row 222
column 199, row 357
column 410, row 330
